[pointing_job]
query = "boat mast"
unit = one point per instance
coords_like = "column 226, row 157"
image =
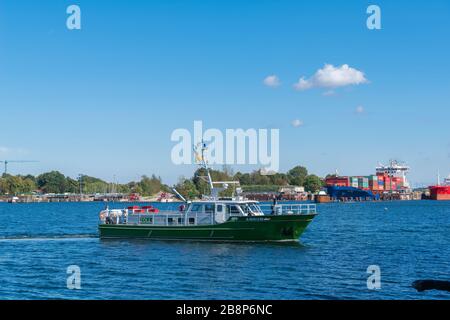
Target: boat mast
column 202, row 160
column 203, row 163
column 179, row 195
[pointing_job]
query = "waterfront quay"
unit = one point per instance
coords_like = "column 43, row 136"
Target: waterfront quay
column 68, row 197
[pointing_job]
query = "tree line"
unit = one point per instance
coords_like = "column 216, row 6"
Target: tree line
column 56, row 182
column 190, row 188
column 194, row 187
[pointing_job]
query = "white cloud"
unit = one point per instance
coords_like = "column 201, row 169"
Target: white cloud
column 272, row 81
column 297, row 123
column 332, row 77
column 359, row 109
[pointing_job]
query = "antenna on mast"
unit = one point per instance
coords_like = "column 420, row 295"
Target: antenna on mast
column 199, row 151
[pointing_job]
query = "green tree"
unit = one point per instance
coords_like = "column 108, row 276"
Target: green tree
column 10, row 184
column 72, row 185
column 30, row 177
column 52, row 182
column 313, row 183
column 150, row 186
column 123, row 188
column 93, row 185
column 244, row 179
column 297, row 176
column 29, row 185
column 187, row 189
column 258, row 179
column 201, row 183
column 279, row 179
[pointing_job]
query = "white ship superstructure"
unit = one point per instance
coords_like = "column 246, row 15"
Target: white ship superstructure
column 395, row 169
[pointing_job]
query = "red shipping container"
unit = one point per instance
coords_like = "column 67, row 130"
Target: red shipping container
column 373, row 185
column 337, row 181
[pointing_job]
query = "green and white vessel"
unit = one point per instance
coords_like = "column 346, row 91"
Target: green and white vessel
column 210, row 219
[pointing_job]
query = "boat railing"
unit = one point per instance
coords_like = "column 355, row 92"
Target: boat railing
column 280, row 209
column 161, row 218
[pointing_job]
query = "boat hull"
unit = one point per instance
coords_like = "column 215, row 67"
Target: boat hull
column 322, row 198
column 256, row 228
column 440, row 193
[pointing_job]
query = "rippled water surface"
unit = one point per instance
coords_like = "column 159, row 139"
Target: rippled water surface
column 408, row 240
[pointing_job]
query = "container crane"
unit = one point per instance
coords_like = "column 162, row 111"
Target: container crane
column 6, row 162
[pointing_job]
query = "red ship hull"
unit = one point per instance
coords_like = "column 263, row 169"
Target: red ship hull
column 440, row 192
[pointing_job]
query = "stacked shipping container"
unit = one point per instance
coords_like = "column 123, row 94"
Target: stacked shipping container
column 338, row 181
column 354, row 182
column 374, row 182
column 363, row 183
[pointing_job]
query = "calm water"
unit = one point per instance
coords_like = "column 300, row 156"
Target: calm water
column 408, row 240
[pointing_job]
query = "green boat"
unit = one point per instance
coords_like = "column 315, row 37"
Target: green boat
column 219, row 220
column 210, row 219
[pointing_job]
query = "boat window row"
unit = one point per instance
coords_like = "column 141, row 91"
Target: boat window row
column 233, row 209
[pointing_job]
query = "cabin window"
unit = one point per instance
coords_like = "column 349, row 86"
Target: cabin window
column 170, row 220
column 255, row 208
column 219, row 208
column 245, row 208
column 233, row 209
column 209, row 208
column 191, row 220
column 197, row 208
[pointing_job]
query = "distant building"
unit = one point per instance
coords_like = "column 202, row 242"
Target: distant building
column 292, row 189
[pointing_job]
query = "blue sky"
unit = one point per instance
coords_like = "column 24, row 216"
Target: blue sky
column 105, row 99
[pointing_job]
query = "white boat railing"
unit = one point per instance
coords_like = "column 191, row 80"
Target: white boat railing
column 279, row 209
column 158, row 219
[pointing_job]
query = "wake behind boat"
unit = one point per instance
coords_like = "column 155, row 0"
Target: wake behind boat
column 212, row 218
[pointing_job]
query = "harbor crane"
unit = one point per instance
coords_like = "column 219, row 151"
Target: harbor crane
column 6, row 162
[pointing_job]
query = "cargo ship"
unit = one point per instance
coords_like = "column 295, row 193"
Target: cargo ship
column 388, row 182
column 441, row 192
